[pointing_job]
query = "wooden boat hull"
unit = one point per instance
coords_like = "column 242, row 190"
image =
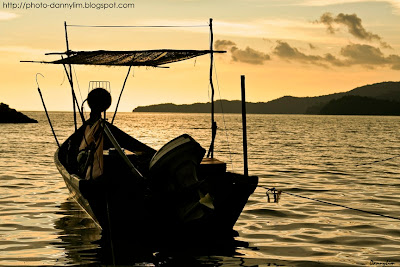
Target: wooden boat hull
column 125, row 207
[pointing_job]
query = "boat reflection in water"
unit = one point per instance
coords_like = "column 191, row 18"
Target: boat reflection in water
column 86, row 244
column 78, row 234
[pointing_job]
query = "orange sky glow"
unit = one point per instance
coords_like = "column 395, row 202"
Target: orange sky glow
column 285, row 47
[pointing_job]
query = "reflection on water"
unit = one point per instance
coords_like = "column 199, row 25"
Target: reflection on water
column 313, row 156
column 86, row 244
column 78, row 234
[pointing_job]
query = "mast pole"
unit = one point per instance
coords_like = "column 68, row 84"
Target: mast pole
column 244, row 125
column 213, row 123
column 70, row 75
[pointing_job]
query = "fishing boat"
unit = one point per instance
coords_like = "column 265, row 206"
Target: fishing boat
column 179, row 192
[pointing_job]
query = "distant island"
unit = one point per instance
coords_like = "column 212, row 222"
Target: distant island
column 9, row 115
column 374, row 99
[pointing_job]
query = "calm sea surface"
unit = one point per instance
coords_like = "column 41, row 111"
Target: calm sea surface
column 310, row 156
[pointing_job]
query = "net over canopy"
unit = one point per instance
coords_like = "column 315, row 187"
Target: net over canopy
column 128, row 58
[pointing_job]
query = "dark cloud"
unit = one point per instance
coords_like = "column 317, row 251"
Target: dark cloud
column 328, row 20
column 354, row 27
column 349, row 55
column 223, row 44
column 248, row 55
column 394, row 61
column 353, row 54
column 284, row 50
column 363, row 54
column 312, row 46
column 369, row 55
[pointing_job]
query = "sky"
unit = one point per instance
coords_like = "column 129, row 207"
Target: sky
column 283, row 47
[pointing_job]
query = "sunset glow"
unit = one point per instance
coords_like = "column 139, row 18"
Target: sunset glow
column 289, row 47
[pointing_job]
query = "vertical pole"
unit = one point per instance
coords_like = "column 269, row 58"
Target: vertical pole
column 119, row 98
column 70, row 75
column 213, row 123
column 245, row 164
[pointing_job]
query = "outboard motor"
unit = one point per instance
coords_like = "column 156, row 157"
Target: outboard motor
column 173, row 171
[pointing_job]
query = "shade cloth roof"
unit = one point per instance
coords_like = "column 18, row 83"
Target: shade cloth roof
column 127, row 58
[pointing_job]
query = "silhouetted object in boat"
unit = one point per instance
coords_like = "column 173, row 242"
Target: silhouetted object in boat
column 90, row 156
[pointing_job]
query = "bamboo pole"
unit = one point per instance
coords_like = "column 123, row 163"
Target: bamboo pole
column 70, row 75
column 245, row 163
column 213, row 123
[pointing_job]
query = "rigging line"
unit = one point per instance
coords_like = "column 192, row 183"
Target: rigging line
column 334, row 204
column 63, row 79
column 223, row 116
column 137, row 26
column 119, row 98
column 377, row 161
column 76, row 78
column 69, row 76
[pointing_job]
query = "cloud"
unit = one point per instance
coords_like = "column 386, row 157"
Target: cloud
column 394, row 3
column 223, row 44
column 7, row 15
column 248, row 55
column 353, row 24
column 352, row 54
column 328, row 20
column 363, row 54
column 285, row 51
column 368, row 55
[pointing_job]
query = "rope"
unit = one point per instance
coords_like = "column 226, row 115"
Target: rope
column 76, row 78
column 223, row 116
column 377, row 161
column 334, row 204
column 138, row 26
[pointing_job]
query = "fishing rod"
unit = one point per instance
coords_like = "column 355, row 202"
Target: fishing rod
column 277, row 193
column 45, row 109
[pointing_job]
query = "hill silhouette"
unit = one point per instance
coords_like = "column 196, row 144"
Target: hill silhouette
column 285, row 105
column 9, row 115
column 361, row 105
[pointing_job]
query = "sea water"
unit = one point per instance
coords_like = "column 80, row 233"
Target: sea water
column 335, row 159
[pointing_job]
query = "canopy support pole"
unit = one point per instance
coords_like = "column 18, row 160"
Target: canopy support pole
column 70, row 75
column 213, row 123
column 119, row 98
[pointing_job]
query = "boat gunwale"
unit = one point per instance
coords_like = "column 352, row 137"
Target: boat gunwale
column 72, row 180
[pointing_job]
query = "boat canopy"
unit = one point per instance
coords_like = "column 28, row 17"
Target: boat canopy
column 151, row 58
